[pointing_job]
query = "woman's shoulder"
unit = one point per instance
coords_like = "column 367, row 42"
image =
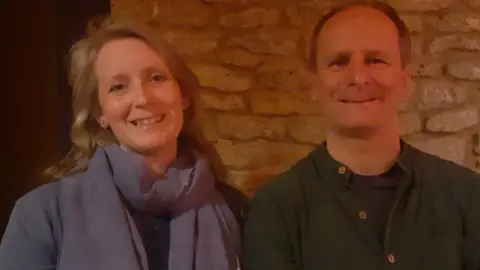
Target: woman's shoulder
column 45, row 200
column 41, row 199
column 34, row 229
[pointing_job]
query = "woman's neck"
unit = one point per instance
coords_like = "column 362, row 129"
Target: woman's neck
column 158, row 161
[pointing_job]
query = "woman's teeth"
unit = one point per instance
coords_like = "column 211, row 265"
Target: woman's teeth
column 148, row 121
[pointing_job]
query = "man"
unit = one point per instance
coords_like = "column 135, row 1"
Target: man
column 365, row 199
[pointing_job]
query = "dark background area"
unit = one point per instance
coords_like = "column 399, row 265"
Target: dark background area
column 36, row 97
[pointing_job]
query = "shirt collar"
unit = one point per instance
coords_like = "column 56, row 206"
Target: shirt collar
column 336, row 170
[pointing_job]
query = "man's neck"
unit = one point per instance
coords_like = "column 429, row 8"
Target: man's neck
column 367, row 155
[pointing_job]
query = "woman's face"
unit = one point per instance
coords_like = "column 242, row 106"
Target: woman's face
column 140, row 100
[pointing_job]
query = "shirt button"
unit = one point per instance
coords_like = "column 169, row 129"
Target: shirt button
column 391, row 258
column 342, row 170
column 362, row 215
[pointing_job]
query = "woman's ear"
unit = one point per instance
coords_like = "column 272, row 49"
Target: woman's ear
column 102, row 122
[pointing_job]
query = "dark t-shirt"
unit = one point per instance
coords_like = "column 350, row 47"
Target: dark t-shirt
column 379, row 193
column 155, row 234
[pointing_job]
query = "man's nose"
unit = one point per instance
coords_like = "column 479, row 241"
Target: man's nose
column 359, row 73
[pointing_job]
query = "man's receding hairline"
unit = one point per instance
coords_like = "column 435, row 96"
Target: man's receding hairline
column 383, row 8
column 357, row 6
column 349, row 8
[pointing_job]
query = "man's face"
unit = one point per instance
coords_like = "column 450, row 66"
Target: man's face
column 360, row 79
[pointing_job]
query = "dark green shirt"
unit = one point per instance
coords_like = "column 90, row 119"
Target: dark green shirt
column 309, row 218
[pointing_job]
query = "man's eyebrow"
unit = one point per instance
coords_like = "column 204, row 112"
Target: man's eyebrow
column 338, row 55
column 374, row 53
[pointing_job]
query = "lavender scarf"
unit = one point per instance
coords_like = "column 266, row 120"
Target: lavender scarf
column 204, row 234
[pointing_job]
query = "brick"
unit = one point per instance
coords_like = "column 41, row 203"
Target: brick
column 467, row 70
column 260, row 154
column 251, row 18
column 208, row 125
column 221, row 78
column 250, row 181
column 414, row 22
column 420, row 5
column 301, row 16
column 273, row 41
column 280, row 41
column 307, row 129
column 189, row 13
column 438, row 94
column 457, row 42
column 284, row 74
column 475, row 4
column 409, row 123
column 317, row 4
column 220, row 1
column 277, row 103
column 131, row 9
column 246, row 127
column 453, row 121
column 417, row 46
column 426, row 68
column 250, row 42
column 193, row 43
column 450, row 147
column 240, row 58
column 474, row 96
column 404, row 106
column 222, row 101
column 477, row 144
column 455, row 22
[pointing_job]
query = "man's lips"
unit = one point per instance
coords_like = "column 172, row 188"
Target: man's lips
column 357, row 101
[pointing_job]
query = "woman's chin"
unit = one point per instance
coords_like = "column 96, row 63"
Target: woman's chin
column 151, row 146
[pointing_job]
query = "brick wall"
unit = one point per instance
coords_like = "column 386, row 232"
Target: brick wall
column 250, row 56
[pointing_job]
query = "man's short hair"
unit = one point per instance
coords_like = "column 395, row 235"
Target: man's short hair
column 389, row 11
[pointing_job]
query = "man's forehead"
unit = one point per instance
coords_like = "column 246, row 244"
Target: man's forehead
column 364, row 28
column 358, row 14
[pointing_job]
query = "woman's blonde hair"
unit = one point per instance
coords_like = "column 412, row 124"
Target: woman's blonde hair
column 86, row 133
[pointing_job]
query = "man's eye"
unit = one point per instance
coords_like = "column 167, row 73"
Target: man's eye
column 375, row 61
column 338, row 63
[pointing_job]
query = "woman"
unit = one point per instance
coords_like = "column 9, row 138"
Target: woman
column 141, row 187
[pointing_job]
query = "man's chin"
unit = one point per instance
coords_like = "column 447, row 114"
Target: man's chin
column 359, row 130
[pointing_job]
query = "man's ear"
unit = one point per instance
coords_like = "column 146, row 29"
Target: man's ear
column 407, row 86
column 186, row 101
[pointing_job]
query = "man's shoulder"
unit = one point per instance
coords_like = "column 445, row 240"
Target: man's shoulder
column 289, row 182
column 444, row 173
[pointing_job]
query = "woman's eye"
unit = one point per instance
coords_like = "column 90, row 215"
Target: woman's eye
column 157, row 78
column 117, row 87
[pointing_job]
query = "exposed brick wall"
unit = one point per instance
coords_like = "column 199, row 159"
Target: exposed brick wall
column 250, row 54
